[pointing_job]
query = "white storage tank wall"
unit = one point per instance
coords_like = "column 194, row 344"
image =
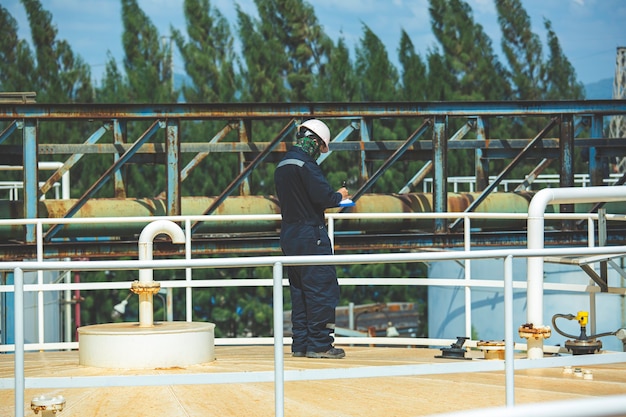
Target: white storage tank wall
column 446, row 305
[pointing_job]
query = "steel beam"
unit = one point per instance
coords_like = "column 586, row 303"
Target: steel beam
column 104, row 178
column 229, row 111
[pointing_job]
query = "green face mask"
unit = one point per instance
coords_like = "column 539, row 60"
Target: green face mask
column 309, row 145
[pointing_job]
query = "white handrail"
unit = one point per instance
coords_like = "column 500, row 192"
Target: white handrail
column 188, row 264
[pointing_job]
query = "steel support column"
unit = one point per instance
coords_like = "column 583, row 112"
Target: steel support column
column 566, row 152
column 440, row 180
column 172, row 172
column 598, row 168
column 31, row 185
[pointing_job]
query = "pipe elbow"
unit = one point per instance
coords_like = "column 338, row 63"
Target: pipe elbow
column 158, row 227
column 539, row 202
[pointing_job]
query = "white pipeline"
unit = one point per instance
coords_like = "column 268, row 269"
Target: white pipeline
column 146, row 239
column 536, row 212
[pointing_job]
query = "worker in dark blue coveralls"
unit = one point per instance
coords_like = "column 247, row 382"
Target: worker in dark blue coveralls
column 303, row 194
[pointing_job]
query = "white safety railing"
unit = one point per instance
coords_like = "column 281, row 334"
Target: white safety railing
column 189, row 283
column 468, row 183
column 188, row 264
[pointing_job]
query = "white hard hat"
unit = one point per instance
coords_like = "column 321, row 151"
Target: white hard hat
column 319, row 128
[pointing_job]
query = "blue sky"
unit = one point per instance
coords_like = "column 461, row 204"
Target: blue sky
column 589, row 30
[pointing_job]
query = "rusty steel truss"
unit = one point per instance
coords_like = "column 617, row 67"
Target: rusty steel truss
column 438, row 128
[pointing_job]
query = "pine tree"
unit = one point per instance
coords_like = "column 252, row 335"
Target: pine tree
column 442, row 83
column 265, row 62
column 61, row 76
column 413, row 71
column 468, row 52
column 522, row 49
column 558, row 73
column 338, row 81
column 378, row 78
column 147, row 60
column 114, row 87
column 16, row 61
column 209, row 55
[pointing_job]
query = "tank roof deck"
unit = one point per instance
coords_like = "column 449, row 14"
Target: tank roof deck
column 415, row 395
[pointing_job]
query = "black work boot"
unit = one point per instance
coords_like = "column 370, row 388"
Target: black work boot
column 332, row 353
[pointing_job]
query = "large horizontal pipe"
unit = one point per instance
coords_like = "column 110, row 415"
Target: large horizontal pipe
column 498, row 202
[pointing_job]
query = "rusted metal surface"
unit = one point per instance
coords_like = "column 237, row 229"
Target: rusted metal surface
column 17, row 97
column 440, row 180
column 288, row 129
column 106, row 176
column 229, row 111
column 492, row 186
column 359, row 133
column 172, row 172
column 393, row 158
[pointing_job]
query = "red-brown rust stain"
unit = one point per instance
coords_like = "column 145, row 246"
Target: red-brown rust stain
column 458, row 203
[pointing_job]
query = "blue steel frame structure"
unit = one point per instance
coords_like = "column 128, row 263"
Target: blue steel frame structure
column 567, row 118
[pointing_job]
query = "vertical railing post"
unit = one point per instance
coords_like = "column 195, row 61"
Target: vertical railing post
column 468, row 277
column 509, row 344
column 279, row 375
column 188, row 273
column 18, row 294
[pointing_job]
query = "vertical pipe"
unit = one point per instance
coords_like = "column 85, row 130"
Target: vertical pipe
column 31, row 182
column 509, row 344
column 169, row 303
column 18, row 285
column 440, row 180
column 279, row 383
column 146, row 311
